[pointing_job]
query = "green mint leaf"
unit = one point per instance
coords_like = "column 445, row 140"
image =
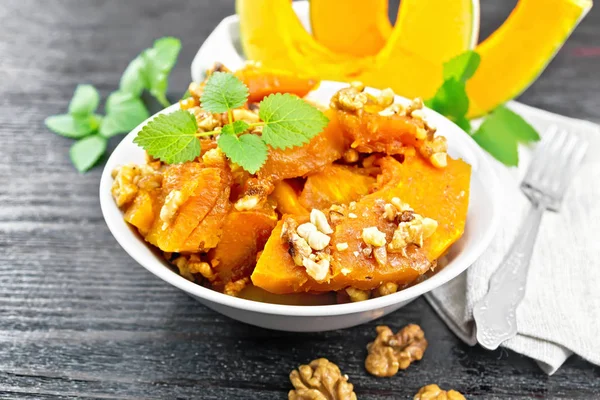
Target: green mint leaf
column 72, row 126
column 236, row 128
column 248, row 151
column 86, row 152
column 164, row 53
column 223, row 92
column 133, row 80
column 85, row 100
column 450, row 100
column 171, row 137
column 289, row 121
column 159, row 60
column 462, row 67
column 123, row 113
column 520, row 128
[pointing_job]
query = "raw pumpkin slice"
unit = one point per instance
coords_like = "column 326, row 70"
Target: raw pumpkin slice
column 272, row 33
column 517, row 52
column 441, row 194
column 356, row 27
column 322, row 150
column 436, row 30
column 336, row 184
column 244, row 235
column 262, row 82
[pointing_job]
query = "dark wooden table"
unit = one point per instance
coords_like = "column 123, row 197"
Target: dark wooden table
column 80, row 319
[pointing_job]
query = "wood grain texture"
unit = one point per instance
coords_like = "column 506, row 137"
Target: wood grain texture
column 78, row 317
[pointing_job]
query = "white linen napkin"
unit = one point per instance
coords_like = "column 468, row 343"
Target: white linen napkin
column 560, row 314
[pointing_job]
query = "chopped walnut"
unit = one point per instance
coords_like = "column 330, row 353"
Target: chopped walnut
column 241, row 114
column 205, row 120
column 373, row 236
column 357, row 294
column 385, row 289
column 308, row 244
column 412, row 227
column 434, row 392
column 349, row 99
column 318, row 219
column 248, row 202
column 173, row 201
column 190, row 265
column 235, row 287
column 389, row 352
column 124, row 187
column 320, row 380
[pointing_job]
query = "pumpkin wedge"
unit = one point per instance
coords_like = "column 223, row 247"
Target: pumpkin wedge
column 362, row 28
column 441, row 194
column 356, row 27
column 272, row 34
column 519, row 51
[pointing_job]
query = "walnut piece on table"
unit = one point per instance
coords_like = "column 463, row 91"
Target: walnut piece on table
column 434, row 392
column 389, row 352
column 320, row 380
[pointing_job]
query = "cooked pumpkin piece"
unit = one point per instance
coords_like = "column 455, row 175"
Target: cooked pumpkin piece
column 244, row 235
column 141, row 213
column 440, row 194
column 194, row 191
column 321, row 151
column 287, row 200
column 262, row 82
column 335, row 184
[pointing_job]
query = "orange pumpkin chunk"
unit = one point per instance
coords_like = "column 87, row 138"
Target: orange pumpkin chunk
column 262, row 82
column 244, row 235
column 336, row 184
column 286, row 198
column 371, row 132
column 322, row 150
column 441, row 194
column 141, row 213
column 200, row 188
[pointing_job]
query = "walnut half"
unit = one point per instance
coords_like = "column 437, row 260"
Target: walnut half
column 433, row 392
column 320, row 380
column 389, row 352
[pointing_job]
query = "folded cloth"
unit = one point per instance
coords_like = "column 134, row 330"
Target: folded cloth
column 560, row 314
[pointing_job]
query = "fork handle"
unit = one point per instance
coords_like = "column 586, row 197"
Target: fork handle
column 495, row 313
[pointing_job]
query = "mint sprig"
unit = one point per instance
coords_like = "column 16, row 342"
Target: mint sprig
column 500, row 132
column 124, row 108
column 287, row 121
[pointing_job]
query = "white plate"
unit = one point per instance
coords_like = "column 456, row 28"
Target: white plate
column 482, row 220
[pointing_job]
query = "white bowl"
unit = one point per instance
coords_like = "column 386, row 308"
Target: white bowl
column 482, row 220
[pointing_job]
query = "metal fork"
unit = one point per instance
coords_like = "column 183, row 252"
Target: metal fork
column 553, row 165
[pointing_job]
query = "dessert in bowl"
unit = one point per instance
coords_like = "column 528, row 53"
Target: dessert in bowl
column 388, row 201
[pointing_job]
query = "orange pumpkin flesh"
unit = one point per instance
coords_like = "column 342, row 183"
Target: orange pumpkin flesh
column 321, row 151
column 141, row 213
column 263, row 82
column 286, row 199
column 336, row 184
column 244, row 235
column 202, row 188
column 371, row 132
column 441, row 194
